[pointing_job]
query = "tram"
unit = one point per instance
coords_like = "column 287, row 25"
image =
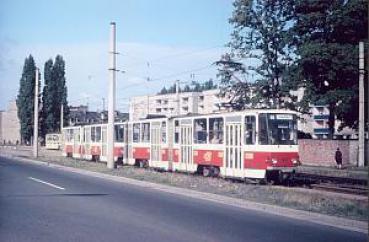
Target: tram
column 257, row 144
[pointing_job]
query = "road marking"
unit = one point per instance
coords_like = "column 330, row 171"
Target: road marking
column 46, row 183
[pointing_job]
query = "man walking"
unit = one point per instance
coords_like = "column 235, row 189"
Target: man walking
column 338, row 157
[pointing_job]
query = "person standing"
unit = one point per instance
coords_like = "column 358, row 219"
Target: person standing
column 338, row 157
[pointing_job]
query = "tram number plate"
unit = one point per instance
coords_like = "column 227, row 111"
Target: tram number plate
column 249, row 156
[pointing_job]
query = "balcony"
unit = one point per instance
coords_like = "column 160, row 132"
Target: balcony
column 321, row 131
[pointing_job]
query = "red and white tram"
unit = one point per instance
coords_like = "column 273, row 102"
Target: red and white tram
column 259, row 144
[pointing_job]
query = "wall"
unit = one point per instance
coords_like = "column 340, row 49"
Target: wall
column 9, row 125
column 321, row 152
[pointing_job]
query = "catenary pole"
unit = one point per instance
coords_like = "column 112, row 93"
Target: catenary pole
column 61, row 118
column 177, row 98
column 111, row 98
column 35, row 117
column 361, row 105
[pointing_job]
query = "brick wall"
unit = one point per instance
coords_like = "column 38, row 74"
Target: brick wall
column 321, row 152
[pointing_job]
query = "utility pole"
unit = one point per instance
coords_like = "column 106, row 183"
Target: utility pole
column 111, row 98
column 61, row 117
column 361, row 105
column 35, row 118
column 103, row 110
column 177, row 97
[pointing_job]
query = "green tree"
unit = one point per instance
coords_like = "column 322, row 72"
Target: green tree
column 232, row 87
column 25, row 99
column 187, row 88
column 163, row 91
column 48, row 95
column 54, row 95
column 326, row 36
column 260, row 35
column 208, row 85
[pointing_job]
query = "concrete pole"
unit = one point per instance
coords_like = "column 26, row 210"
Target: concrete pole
column 111, row 98
column 61, row 118
column 35, row 118
column 361, row 105
column 177, row 98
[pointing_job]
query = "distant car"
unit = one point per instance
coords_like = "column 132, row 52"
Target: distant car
column 53, row 141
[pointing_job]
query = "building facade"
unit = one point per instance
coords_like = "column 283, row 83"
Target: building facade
column 174, row 104
column 80, row 115
column 10, row 125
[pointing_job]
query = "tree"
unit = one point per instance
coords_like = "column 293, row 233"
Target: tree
column 54, row 95
column 260, row 33
column 326, row 36
column 208, row 85
column 235, row 89
column 163, row 91
column 25, row 99
column 48, row 94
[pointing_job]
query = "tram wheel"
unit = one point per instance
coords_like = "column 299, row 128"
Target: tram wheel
column 206, row 172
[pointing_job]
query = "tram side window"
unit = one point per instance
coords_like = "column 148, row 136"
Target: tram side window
column 78, row 138
column 216, row 130
column 263, row 129
column 136, row 133
column 200, row 131
column 93, row 134
column 145, row 134
column 163, row 132
column 119, row 133
column 176, row 131
column 98, row 134
column 69, row 135
column 250, row 130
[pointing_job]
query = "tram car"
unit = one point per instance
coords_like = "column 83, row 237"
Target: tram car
column 255, row 144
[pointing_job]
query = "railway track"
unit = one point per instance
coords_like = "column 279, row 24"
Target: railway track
column 346, row 185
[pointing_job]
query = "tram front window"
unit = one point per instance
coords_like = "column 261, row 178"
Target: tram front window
column 277, row 129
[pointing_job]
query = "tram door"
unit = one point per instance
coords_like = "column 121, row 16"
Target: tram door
column 87, row 141
column 129, row 144
column 233, row 150
column 104, row 141
column 76, row 141
column 155, row 143
column 186, row 157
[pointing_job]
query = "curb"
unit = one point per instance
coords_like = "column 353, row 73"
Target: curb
column 337, row 222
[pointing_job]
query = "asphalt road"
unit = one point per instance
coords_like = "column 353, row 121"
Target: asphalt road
column 39, row 203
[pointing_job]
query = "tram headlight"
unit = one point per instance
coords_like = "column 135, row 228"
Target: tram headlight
column 274, row 161
column 295, row 161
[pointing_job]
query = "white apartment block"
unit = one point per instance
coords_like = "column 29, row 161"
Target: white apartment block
column 173, row 104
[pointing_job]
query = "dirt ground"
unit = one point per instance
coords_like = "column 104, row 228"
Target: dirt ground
column 340, row 205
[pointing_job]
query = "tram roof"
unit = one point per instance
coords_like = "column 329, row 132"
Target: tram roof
column 190, row 115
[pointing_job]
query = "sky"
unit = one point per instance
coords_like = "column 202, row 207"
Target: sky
column 159, row 41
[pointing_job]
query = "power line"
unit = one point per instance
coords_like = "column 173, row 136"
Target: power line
column 181, row 73
column 168, row 76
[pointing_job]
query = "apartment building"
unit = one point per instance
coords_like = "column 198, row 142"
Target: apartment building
column 172, row 104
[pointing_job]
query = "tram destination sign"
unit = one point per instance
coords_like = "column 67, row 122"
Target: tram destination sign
column 284, row 116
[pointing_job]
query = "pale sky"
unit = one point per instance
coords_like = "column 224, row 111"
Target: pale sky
column 164, row 40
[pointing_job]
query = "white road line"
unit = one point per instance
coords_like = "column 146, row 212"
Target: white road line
column 46, row 183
